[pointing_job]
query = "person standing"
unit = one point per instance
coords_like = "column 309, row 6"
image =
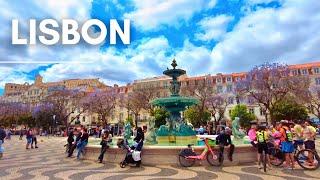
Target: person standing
column 287, row 143
column 106, row 138
column 34, row 139
column 309, row 135
column 2, row 137
column 21, row 134
column 29, row 138
column 83, row 142
column 262, row 139
column 298, row 136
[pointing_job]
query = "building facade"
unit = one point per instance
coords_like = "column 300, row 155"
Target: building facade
column 220, row 83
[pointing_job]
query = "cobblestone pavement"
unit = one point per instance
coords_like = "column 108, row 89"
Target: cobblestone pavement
column 49, row 162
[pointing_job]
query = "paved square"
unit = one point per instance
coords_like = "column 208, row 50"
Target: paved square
column 49, row 162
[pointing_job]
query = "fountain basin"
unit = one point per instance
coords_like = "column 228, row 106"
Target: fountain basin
column 168, row 155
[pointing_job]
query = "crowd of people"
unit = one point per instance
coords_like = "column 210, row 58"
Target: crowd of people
column 284, row 135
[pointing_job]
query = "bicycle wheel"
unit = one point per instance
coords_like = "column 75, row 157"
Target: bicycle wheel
column 308, row 159
column 186, row 162
column 213, row 159
column 276, row 156
column 183, row 160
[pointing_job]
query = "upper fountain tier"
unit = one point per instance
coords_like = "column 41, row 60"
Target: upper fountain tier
column 174, row 73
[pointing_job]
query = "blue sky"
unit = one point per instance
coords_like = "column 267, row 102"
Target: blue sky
column 205, row 37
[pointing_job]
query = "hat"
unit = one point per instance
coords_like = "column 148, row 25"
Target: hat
column 284, row 121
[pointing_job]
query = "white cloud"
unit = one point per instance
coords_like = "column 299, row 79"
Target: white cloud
column 288, row 34
column 152, row 14
column 254, row 2
column 214, row 27
column 196, row 60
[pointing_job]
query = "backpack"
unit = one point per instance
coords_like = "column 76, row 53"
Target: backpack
column 261, row 136
column 289, row 135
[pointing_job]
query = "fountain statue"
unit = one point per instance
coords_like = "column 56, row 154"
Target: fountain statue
column 151, row 133
column 236, row 132
column 127, row 131
column 176, row 130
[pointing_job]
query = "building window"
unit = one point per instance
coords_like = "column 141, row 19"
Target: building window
column 219, row 89
column 230, row 100
column 209, row 81
column 317, row 81
column 295, row 72
column 251, row 110
column 229, row 88
column 228, row 79
column 219, row 80
column 304, row 71
column 83, row 119
column 316, row 70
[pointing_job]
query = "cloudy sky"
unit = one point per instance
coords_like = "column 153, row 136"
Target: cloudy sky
column 205, row 37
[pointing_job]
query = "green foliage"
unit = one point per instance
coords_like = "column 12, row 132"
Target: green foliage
column 195, row 117
column 129, row 120
column 289, row 110
column 242, row 112
column 160, row 116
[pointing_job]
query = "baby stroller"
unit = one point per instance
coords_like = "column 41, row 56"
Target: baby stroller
column 133, row 154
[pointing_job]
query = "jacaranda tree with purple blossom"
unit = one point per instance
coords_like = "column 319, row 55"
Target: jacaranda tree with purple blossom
column 102, row 103
column 270, row 83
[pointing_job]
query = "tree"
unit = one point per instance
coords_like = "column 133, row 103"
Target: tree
column 202, row 91
column 66, row 103
column 138, row 100
column 241, row 111
column 195, row 117
column 217, row 105
column 270, row 83
column 43, row 115
column 13, row 113
column 160, row 116
column 313, row 100
column 289, row 110
column 102, row 103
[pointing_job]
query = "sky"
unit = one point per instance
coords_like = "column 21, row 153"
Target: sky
column 204, row 36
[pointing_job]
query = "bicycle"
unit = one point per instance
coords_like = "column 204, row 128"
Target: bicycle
column 277, row 158
column 187, row 156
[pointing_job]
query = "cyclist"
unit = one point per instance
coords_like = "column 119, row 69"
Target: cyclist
column 286, row 143
column 298, row 138
column 309, row 134
column 262, row 139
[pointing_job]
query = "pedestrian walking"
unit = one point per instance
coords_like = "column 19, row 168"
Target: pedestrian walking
column 2, row 137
